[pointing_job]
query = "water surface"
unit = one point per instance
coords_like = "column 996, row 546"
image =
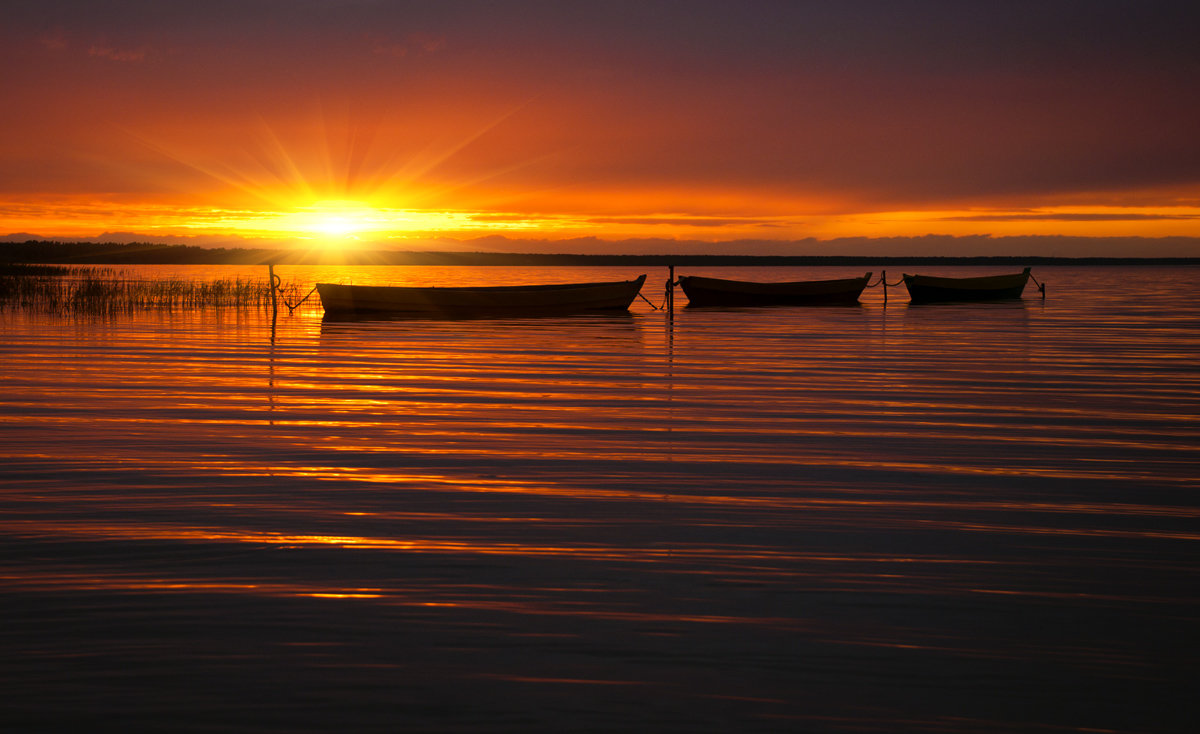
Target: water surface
column 953, row 517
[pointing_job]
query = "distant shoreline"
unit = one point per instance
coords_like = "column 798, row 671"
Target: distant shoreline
column 87, row 253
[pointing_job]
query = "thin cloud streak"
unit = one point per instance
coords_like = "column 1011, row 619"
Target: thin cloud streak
column 1071, row 217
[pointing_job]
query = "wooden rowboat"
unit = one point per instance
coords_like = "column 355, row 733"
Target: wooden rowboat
column 515, row 300
column 719, row 292
column 929, row 289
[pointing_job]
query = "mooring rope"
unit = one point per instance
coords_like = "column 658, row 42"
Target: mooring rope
column 647, row 300
column 1041, row 286
column 666, row 296
column 883, row 282
column 293, row 306
column 278, row 291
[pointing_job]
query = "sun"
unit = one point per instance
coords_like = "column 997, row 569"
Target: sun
column 338, row 226
column 343, row 224
column 339, row 218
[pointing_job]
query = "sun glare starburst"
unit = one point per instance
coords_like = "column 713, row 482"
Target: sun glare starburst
column 339, row 218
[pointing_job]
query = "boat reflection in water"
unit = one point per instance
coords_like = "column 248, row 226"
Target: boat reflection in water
column 527, row 300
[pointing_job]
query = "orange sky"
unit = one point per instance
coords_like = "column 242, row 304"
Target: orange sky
column 354, row 121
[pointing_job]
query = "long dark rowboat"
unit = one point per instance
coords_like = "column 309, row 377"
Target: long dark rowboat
column 720, row 292
column 516, row 300
column 930, row 289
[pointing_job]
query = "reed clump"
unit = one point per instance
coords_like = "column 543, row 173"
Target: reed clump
column 104, row 291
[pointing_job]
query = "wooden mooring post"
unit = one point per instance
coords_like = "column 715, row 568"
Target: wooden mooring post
column 670, row 299
column 274, row 302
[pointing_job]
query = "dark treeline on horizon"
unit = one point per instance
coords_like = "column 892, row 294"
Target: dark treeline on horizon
column 135, row 253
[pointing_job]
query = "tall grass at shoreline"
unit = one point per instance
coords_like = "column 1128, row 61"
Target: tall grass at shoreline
column 105, row 291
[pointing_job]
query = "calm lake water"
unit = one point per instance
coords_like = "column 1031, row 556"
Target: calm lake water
column 948, row 518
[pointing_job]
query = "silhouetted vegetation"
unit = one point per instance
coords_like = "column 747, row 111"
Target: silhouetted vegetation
column 139, row 253
column 28, row 269
column 105, row 291
column 41, row 251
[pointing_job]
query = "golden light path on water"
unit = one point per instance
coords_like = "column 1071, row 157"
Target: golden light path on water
column 952, row 518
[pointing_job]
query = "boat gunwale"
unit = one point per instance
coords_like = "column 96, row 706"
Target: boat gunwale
column 975, row 282
column 775, row 285
column 534, row 287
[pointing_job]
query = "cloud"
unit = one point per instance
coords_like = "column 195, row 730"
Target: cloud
column 128, row 55
column 898, row 247
column 55, row 40
column 1070, row 217
column 688, row 221
column 413, row 43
